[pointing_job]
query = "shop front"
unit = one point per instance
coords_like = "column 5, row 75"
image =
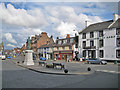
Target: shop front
column 63, row 55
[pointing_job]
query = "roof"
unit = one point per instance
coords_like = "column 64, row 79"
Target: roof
column 46, row 45
column 116, row 24
column 97, row 26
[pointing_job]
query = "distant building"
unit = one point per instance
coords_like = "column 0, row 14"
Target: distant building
column 65, row 48
column 39, row 40
column 101, row 40
column 1, row 48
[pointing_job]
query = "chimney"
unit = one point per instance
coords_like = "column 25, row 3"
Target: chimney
column 51, row 36
column 68, row 36
column 115, row 16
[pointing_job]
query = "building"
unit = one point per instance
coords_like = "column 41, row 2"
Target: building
column 101, row 40
column 1, row 48
column 39, row 40
column 65, row 48
column 46, row 51
column 23, row 48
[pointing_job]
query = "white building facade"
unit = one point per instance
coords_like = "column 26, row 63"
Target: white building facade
column 100, row 40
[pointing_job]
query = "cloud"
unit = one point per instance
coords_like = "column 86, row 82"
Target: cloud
column 9, row 38
column 66, row 28
column 31, row 31
column 10, row 45
column 66, row 19
column 22, row 17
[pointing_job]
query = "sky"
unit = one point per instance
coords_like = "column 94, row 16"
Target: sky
column 22, row 19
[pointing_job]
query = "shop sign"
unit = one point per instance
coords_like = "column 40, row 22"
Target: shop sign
column 56, row 52
column 66, row 52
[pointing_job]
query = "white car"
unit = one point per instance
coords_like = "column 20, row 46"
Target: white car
column 3, row 57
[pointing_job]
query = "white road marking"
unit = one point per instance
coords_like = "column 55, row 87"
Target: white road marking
column 108, row 71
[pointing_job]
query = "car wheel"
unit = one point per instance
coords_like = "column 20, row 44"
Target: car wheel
column 101, row 63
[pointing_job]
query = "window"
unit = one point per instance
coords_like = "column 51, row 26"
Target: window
column 118, row 42
column 63, row 48
column 100, row 33
column 59, row 42
column 70, row 47
column 91, row 43
column 64, row 41
column 84, row 53
column 118, row 31
column 91, row 34
column 47, row 49
column 71, row 40
column 118, row 53
column 101, row 43
column 84, row 44
column 84, row 36
column 101, row 53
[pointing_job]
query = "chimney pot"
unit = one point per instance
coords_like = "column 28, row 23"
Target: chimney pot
column 68, row 36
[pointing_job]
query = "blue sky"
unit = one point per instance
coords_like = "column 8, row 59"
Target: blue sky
column 23, row 19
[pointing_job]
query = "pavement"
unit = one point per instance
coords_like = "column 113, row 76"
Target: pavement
column 74, row 67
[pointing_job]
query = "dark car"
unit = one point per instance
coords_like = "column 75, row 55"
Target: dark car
column 96, row 61
column 42, row 58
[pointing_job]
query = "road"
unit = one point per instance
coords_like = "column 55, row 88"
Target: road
column 14, row 76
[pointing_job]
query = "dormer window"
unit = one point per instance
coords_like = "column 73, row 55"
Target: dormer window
column 64, row 41
column 59, row 42
column 71, row 40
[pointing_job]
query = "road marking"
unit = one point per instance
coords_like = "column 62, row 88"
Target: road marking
column 108, row 71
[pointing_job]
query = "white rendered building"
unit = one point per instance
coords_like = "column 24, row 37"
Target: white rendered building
column 101, row 40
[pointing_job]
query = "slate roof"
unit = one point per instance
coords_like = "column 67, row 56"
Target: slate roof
column 97, row 26
column 116, row 24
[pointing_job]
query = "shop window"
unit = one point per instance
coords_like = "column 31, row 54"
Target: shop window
column 70, row 47
column 118, row 53
column 91, row 34
column 118, row 42
column 63, row 48
column 118, row 31
column 91, row 43
column 84, row 36
column 100, row 33
column 57, row 48
column 101, row 43
column 101, row 53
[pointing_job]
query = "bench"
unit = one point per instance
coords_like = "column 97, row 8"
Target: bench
column 42, row 63
column 58, row 64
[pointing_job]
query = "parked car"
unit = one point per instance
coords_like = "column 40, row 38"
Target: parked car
column 42, row 58
column 3, row 57
column 96, row 61
column 8, row 57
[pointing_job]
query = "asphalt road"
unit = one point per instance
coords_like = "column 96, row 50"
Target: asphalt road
column 14, row 76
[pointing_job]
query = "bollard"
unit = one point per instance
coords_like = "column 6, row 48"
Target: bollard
column 66, row 71
column 115, row 62
column 89, row 69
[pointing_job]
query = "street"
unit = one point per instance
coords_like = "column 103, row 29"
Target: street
column 14, row 76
